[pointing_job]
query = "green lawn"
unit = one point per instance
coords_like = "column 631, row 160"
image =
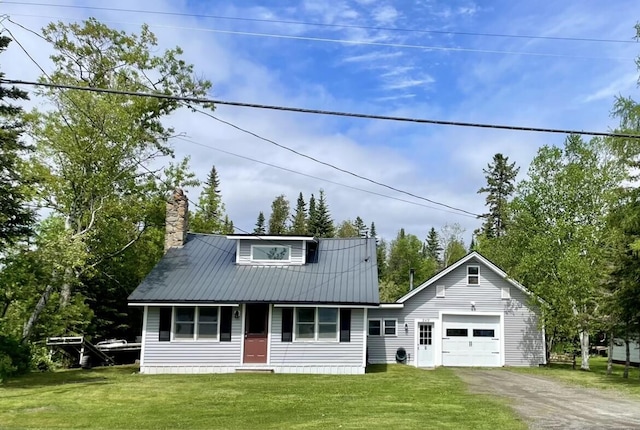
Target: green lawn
column 595, row 378
column 396, row 396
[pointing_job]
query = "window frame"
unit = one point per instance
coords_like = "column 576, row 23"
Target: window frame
column 316, row 326
column 384, row 327
column 475, row 275
column 283, row 261
column 379, row 320
column 196, row 325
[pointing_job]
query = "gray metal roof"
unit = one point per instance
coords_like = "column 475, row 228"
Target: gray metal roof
column 204, row 270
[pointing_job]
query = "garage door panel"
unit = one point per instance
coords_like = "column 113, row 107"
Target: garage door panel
column 471, row 340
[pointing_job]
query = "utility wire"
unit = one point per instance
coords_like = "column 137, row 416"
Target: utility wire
column 352, row 42
column 321, row 179
column 326, row 25
column 326, row 112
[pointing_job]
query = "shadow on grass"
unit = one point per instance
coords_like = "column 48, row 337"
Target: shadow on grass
column 101, row 375
column 377, row 368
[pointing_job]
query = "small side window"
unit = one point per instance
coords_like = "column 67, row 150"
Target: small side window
column 390, row 327
column 473, row 275
column 439, row 290
column 506, row 292
column 375, row 328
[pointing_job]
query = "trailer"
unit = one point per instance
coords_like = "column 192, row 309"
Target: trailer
column 104, row 353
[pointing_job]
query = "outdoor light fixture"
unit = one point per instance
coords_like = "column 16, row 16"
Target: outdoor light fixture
column 236, row 314
column 473, row 306
column 406, row 328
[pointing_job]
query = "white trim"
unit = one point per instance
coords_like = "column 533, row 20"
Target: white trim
column 243, row 316
column 183, row 304
column 307, row 305
column 304, row 252
column 505, row 293
column 439, row 294
column 145, row 315
column 457, row 264
column 544, row 346
column 196, row 328
column 388, row 306
column 472, row 313
column 316, row 326
column 364, row 337
column 238, row 251
column 270, row 238
column 269, row 335
column 380, row 321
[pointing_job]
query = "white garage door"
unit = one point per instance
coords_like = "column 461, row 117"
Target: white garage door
column 471, row 340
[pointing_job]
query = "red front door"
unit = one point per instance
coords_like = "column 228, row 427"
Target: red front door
column 255, row 333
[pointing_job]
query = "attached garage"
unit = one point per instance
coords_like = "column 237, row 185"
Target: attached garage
column 471, row 340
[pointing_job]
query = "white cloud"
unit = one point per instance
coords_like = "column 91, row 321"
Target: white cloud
column 385, row 15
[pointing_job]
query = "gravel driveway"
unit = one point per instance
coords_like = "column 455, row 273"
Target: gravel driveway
column 547, row 403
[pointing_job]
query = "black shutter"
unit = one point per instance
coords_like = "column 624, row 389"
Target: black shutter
column 226, row 318
column 345, row 325
column 164, row 334
column 287, row 324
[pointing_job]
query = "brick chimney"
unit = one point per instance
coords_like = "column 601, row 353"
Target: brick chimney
column 177, row 220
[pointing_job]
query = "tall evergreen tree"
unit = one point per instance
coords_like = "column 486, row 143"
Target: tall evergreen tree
column 210, row 216
column 312, row 220
column 279, row 215
column 227, row 226
column 15, row 218
column 372, row 231
column 432, row 248
column 500, row 186
column 299, row 219
column 260, row 230
column 361, row 227
column 324, row 223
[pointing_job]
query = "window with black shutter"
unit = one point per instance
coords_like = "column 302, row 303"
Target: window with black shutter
column 345, row 325
column 164, row 334
column 287, row 324
column 226, row 319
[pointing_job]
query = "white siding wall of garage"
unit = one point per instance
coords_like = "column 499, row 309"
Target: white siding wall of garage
column 620, row 351
column 523, row 340
column 225, row 357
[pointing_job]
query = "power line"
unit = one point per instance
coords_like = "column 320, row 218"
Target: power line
column 326, row 112
column 321, row 179
column 354, row 42
column 328, row 25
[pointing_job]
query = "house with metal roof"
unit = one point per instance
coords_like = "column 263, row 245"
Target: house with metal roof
column 297, row 304
column 218, row 304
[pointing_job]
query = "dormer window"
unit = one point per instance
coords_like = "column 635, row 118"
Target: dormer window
column 473, row 275
column 271, row 253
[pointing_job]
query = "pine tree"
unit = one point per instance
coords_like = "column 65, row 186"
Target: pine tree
column 279, row 215
column 210, row 217
column 312, row 221
column 361, row 227
column 15, row 218
column 324, row 223
column 260, row 230
column 500, row 185
column 299, row 220
column 372, row 231
column 432, row 248
column 346, row 229
column 227, row 227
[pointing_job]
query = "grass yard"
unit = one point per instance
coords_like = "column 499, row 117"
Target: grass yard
column 596, row 378
column 118, row 397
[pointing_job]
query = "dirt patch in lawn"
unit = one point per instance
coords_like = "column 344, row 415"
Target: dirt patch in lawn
column 547, row 403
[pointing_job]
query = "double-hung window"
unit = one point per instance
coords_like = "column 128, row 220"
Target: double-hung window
column 317, row 324
column 383, row 327
column 193, row 323
column 473, row 275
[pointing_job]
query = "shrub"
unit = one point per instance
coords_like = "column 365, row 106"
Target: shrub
column 15, row 358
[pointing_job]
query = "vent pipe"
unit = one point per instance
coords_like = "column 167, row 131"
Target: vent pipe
column 411, row 273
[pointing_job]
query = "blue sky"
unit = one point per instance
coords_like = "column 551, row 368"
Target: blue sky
column 439, row 75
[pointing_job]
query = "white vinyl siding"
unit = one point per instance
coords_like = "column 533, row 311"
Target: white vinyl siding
column 296, row 256
column 523, row 341
column 190, row 352
column 330, row 352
